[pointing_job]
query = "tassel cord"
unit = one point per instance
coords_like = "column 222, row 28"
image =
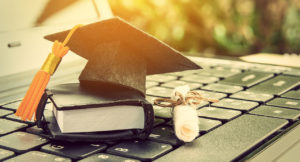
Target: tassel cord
column 39, row 95
column 33, row 96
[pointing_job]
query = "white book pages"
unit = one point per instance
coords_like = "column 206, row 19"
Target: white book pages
column 100, row 119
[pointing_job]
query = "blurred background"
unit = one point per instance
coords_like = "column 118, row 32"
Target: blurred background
column 223, row 27
column 227, row 27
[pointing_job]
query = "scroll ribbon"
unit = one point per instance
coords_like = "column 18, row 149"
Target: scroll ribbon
column 191, row 98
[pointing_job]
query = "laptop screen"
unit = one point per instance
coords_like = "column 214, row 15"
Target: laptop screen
column 25, row 23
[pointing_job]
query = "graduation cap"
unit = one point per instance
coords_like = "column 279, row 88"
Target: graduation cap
column 119, row 54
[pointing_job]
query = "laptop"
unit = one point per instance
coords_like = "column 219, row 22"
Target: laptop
column 256, row 118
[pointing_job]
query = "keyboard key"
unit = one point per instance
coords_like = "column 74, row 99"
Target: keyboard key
column 205, row 93
column 240, row 65
column 74, row 150
column 21, row 141
column 12, row 106
column 23, row 79
column 158, row 121
column 222, row 88
column 277, row 85
column 236, row 104
column 5, row 112
column 270, row 68
column 207, row 62
column 234, row 65
column 276, row 112
column 150, row 84
column 160, row 78
column 227, row 142
column 199, row 79
column 141, row 150
column 38, row 156
column 177, row 83
column 163, row 112
column 212, row 95
column 247, row 79
column 18, row 119
column 183, row 73
column 7, row 126
column 165, row 134
column 206, row 125
column 202, row 104
column 36, row 130
column 226, row 68
column 151, row 99
column 218, row 113
column 283, row 102
column 159, row 91
column 160, row 112
column 292, row 72
column 107, row 158
column 220, row 72
column 9, row 96
column 4, row 154
column 166, row 112
column 252, row 96
column 292, row 95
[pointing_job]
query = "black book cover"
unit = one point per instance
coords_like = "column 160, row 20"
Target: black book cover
column 75, row 96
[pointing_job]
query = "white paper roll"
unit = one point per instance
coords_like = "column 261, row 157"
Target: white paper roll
column 185, row 117
column 185, row 122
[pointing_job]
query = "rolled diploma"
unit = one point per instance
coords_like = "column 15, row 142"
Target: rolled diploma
column 185, row 118
column 185, row 122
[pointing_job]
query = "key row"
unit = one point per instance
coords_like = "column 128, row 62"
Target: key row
column 22, row 142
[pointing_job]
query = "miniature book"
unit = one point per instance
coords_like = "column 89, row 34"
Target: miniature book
column 79, row 109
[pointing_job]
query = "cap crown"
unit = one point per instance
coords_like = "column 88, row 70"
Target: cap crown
column 120, row 54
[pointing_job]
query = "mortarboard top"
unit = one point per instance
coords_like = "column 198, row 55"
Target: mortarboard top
column 120, row 54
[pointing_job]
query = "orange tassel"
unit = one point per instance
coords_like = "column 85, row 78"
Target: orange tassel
column 39, row 83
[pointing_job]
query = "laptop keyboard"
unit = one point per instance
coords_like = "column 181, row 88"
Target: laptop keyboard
column 257, row 103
